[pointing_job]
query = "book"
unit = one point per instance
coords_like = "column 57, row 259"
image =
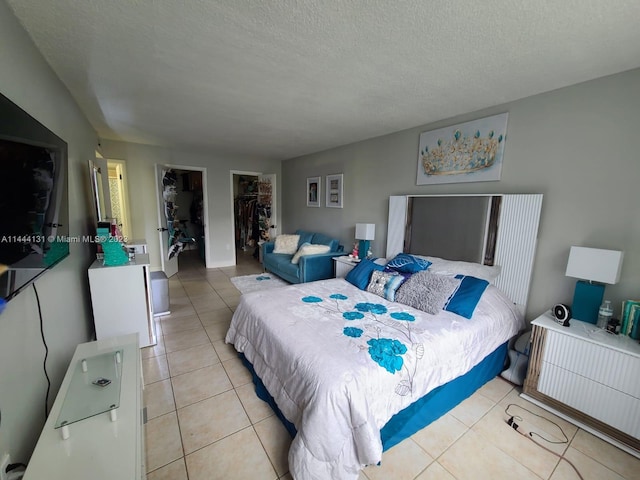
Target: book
column 625, row 320
column 634, row 322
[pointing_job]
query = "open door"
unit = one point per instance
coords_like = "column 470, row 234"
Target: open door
column 267, row 206
column 166, row 191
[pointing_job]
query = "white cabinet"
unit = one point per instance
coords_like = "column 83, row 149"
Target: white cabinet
column 588, row 375
column 344, row 265
column 122, row 301
column 97, row 447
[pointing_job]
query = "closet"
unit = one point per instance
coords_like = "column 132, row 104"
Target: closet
column 246, row 217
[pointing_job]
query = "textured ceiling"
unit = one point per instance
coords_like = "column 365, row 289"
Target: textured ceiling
column 283, row 78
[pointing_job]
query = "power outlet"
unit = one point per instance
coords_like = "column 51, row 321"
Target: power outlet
column 5, row 461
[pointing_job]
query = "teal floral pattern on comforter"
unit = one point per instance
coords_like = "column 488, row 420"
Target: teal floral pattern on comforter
column 386, row 352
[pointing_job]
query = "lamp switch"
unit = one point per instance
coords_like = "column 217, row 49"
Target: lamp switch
column 5, row 461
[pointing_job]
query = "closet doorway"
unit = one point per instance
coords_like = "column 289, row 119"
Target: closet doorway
column 253, row 211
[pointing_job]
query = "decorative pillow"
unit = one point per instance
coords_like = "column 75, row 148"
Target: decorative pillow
column 385, row 284
column 406, row 263
column 465, row 299
column 361, row 273
column 457, row 267
column 286, row 244
column 309, row 249
column 426, row 291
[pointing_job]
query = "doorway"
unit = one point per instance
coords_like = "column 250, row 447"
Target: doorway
column 182, row 216
column 253, row 212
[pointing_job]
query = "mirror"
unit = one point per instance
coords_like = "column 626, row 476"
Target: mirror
column 100, row 189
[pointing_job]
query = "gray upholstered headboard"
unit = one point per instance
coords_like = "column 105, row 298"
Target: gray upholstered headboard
column 493, row 229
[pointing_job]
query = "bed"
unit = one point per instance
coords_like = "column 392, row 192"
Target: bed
column 352, row 372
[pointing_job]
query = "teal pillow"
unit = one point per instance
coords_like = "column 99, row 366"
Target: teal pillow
column 361, row 273
column 466, row 297
column 406, row 263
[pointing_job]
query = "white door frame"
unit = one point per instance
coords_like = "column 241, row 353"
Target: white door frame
column 205, row 206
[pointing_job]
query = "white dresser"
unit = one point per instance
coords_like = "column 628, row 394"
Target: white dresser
column 122, row 300
column 343, row 265
column 97, row 447
column 588, row 376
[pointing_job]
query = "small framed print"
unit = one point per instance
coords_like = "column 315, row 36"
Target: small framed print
column 313, row 192
column 334, row 191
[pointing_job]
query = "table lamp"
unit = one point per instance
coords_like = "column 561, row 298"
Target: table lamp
column 594, row 267
column 365, row 232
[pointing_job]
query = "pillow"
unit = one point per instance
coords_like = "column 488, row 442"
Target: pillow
column 427, row 292
column 405, row 263
column 286, row 244
column 466, row 297
column 361, row 273
column 309, row 249
column 457, row 267
column 385, row 284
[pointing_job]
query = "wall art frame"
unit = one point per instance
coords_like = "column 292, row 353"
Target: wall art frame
column 313, row 191
column 335, row 191
column 466, row 152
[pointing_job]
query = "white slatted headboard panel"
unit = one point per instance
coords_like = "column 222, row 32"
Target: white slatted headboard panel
column 516, row 244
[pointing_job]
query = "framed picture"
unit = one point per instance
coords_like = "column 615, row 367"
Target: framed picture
column 313, row 192
column 334, row 191
column 467, row 152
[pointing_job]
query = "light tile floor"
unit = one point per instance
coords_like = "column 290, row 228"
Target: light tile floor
column 206, row 423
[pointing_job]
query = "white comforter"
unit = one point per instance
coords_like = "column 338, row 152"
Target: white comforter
column 340, row 362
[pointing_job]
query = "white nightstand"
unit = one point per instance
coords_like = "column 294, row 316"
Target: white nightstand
column 343, row 265
column 587, row 376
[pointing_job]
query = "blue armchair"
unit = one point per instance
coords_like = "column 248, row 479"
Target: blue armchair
column 310, row 267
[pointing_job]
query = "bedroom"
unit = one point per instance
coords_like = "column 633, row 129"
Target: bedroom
column 560, row 145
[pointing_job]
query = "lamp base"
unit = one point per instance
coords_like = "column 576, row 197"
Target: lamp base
column 587, row 299
column 363, row 249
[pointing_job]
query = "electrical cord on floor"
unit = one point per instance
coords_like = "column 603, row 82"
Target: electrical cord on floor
column 46, row 354
column 512, row 423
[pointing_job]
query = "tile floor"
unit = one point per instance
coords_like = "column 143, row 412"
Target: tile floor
column 206, row 423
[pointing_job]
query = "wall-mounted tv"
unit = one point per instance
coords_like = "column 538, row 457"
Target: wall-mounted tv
column 34, row 208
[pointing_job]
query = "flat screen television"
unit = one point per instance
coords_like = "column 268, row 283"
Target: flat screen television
column 34, row 206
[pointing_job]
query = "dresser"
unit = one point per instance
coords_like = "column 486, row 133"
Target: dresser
column 103, row 442
column 122, row 301
column 587, row 376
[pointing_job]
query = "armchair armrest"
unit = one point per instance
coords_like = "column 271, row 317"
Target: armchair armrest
column 267, row 247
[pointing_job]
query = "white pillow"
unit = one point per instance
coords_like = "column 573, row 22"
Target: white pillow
column 286, row 244
column 455, row 267
column 309, row 249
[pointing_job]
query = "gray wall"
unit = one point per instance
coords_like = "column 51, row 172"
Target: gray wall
column 28, row 81
column 141, row 161
column 577, row 145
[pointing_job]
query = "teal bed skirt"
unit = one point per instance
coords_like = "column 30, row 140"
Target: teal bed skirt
column 424, row 410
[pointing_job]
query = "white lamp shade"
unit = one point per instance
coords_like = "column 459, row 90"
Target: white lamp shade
column 595, row 264
column 365, row 231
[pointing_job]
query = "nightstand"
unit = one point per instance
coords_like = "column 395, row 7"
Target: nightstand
column 343, row 265
column 588, row 377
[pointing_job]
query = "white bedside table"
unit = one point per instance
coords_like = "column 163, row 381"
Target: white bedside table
column 343, row 265
column 588, row 377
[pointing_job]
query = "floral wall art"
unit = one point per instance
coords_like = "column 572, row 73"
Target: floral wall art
column 467, row 152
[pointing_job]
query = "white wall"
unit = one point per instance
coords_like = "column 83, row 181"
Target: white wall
column 577, row 145
column 27, row 80
column 141, row 161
